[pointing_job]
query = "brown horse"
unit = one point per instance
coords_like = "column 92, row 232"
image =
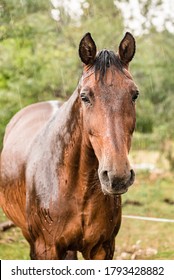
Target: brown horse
column 64, row 168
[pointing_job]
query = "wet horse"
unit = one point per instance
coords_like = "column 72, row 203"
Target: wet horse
column 63, row 168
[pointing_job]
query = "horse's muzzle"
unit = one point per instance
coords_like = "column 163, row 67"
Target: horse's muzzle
column 116, row 185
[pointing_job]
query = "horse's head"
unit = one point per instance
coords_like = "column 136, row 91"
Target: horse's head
column 108, row 95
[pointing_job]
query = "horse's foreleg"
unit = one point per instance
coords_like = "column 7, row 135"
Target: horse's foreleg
column 102, row 251
column 39, row 250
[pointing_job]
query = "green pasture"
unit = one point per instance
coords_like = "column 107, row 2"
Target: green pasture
column 151, row 196
column 136, row 239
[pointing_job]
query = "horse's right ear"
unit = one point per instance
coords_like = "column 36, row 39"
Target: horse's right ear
column 87, row 49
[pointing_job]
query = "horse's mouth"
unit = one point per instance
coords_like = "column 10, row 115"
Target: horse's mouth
column 113, row 192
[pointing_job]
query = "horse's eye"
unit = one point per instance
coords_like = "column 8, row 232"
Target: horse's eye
column 84, row 98
column 135, row 95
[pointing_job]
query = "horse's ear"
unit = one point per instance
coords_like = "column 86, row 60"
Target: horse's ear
column 87, row 49
column 127, row 48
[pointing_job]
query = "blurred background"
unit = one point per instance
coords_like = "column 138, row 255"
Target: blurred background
column 39, row 61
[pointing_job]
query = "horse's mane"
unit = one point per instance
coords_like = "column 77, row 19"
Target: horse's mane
column 104, row 60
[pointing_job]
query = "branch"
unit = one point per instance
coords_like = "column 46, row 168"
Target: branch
column 6, row 225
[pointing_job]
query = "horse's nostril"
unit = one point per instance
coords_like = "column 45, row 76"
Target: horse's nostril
column 104, row 175
column 132, row 174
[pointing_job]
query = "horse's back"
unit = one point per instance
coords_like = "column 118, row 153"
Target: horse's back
column 19, row 136
column 30, row 120
column 22, row 130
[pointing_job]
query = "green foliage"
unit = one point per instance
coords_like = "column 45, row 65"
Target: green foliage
column 145, row 116
column 153, row 70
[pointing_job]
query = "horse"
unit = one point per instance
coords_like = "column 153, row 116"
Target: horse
column 65, row 166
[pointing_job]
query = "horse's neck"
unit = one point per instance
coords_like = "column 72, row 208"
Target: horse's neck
column 79, row 160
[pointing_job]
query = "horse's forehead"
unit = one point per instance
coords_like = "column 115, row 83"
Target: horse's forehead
column 113, row 78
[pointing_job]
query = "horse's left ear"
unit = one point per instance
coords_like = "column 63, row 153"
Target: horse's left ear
column 87, row 49
column 127, row 48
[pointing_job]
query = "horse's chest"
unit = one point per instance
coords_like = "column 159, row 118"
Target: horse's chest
column 84, row 232
column 99, row 222
column 90, row 226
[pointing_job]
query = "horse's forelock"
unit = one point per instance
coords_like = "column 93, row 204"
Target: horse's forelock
column 104, row 60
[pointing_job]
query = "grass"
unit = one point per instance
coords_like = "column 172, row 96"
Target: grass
column 136, row 239
column 13, row 246
column 139, row 239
